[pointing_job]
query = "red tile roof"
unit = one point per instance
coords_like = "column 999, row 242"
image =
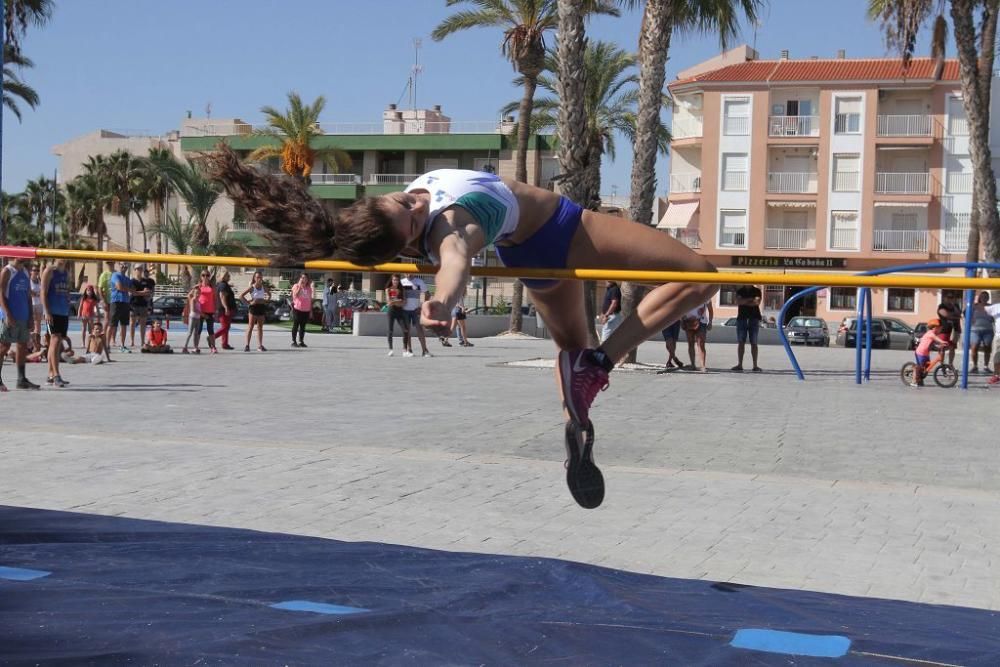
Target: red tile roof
column 874, row 69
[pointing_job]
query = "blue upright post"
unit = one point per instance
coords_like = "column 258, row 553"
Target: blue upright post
column 857, row 335
column 868, row 333
column 967, row 333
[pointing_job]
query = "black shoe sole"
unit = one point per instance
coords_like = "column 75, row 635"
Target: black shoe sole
column 584, row 479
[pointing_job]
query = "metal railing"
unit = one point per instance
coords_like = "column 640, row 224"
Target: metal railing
column 959, row 182
column 784, row 238
column 255, row 227
column 847, row 123
column 685, row 182
column 686, row 127
column 391, row 179
column 958, row 127
column 736, row 125
column 335, row 179
column 793, row 126
column 910, row 125
column 955, row 235
column 899, row 240
column 846, row 181
column 733, row 239
column 388, row 126
column 902, row 183
column 791, row 182
column 689, row 237
column 734, row 180
column 844, row 239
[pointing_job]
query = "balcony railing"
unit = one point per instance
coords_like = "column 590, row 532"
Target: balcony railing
column 688, row 237
column 391, row 126
column 911, row 125
column 685, row 182
column 793, row 126
column 846, row 181
column 899, row 240
column 248, row 226
column 958, row 127
column 391, row 179
column 783, row 238
column 955, row 235
column 686, row 127
column 959, row 182
column 335, row 179
column 736, row 125
column 789, row 182
column 734, row 180
column 730, row 238
column 900, row 183
column 847, row 123
column 844, row 239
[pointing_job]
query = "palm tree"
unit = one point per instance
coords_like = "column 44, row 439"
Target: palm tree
column 295, row 131
column 123, row 174
column 20, row 14
column 660, row 19
column 524, row 23
column 39, row 197
column 198, row 193
column 93, row 188
column 178, row 232
column 901, row 21
column 14, row 88
column 16, row 220
column 159, row 187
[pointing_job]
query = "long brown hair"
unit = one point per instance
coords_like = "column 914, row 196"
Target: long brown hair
column 299, row 228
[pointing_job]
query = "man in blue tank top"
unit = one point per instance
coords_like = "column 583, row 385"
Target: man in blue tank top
column 15, row 318
column 55, row 305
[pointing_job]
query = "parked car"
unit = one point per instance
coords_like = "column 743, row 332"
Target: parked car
column 918, row 333
column 242, row 313
column 899, row 330
column 168, row 306
column 730, row 322
column 880, row 335
column 279, row 310
column 808, row 331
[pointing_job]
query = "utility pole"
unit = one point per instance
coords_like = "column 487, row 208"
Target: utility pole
column 417, row 69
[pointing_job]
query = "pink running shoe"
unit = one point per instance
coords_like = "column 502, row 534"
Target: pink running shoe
column 580, row 378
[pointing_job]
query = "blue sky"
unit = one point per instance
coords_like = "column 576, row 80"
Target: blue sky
column 142, row 64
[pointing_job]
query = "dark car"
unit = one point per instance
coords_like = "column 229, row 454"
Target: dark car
column 880, row 335
column 168, row 306
column 242, row 313
column 808, row 331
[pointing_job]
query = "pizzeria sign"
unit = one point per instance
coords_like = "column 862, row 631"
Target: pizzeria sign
column 790, row 262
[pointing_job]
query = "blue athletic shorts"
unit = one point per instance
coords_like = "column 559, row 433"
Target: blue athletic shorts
column 747, row 328
column 672, row 332
column 547, row 248
column 981, row 338
column 922, row 359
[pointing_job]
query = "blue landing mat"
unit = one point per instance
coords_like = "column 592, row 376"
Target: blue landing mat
column 79, row 589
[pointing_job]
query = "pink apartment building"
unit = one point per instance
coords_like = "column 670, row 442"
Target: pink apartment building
column 837, row 165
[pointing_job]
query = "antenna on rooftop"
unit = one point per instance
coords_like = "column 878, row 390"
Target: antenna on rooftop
column 208, row 110
column 415, row 71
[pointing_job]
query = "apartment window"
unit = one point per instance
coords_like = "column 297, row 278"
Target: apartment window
column 960, row 178
column 843, row 298
column 736, row 119
column 843, row 230
column 901, row 300
column 549, row 170
column 846, row 172
column 847, row 119
column 486, row 164
column 733, row 229
column 727, row 295
column 904, row 221
column 734, row 171
column 774, row 297
column 430, row 164
column 958, row 125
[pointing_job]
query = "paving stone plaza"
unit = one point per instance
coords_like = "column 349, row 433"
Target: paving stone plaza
column 879, row 491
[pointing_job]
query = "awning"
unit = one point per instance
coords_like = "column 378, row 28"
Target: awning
column 900, row 204
column 678, row 215
column 792, row 204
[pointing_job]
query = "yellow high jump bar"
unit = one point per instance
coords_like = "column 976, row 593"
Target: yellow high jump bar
column 734, row 278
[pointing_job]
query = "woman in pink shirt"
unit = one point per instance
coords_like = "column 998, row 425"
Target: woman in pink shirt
column 302, row 296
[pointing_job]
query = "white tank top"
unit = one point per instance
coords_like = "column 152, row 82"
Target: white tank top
column 257, row 294
column 482, row 194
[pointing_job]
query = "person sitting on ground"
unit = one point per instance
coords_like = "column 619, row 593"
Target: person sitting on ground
column 156, row 340
column 449, row 216
column 937, row 332
column 97, row 347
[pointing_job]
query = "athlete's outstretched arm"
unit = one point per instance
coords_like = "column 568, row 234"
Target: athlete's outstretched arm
column 458, row 239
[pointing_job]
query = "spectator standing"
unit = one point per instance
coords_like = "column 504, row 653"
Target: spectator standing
column 670, row 337
column 193, row 312
column 55, row 305
column 256, row 297
column 121, row 306
column 459, row 326
column 227, row 308
column 104, row 289
column 207, row 302
column 394, row 300
column 949, row 311
column 141, row 299
column 747, row 324
column 187, row 281
column 611, row 310
column 16, row 318
column 331, row 311
column 87, row 312
column 302, row 293
column 696, row 324
column 414, row 289
column 36, row 307
column 982, row 332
